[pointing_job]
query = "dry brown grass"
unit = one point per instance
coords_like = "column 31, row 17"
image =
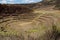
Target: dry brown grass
column 40, row 26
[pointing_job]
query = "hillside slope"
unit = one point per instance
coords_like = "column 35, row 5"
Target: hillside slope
column 36, row 21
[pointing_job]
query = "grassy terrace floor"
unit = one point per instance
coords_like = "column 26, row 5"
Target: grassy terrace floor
column 36, row 26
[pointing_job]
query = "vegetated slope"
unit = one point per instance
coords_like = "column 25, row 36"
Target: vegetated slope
column 22, row 22
column 41, row 25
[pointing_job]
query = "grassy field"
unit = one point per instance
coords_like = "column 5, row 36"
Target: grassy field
column 40, row 25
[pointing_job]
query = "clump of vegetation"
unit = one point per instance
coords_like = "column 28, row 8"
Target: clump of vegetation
column 8, row 31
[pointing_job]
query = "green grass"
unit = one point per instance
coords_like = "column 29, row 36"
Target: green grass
column 8, row 31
